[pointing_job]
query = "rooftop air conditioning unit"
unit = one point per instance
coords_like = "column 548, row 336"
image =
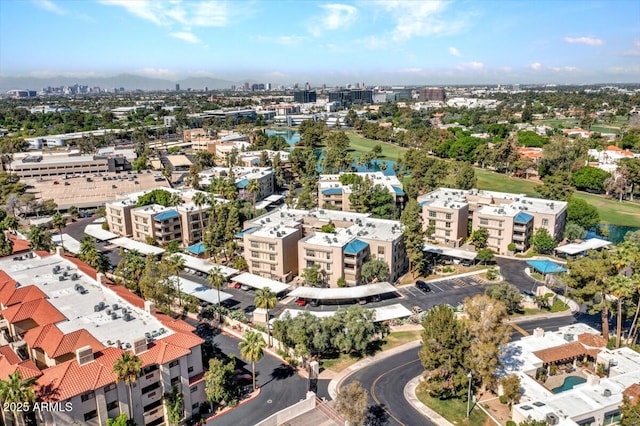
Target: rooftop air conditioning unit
column 139, row 345
column 84, row 355
column 606, row 392
column 552, row 419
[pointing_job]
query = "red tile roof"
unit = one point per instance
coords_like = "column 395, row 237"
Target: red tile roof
column 10, row 363
column 592, row 340
column 632, row 392
column 69, row 379
column 25, row 294
column 55, row 343
column 41, row 311
column 561, row 353
column 19, row 245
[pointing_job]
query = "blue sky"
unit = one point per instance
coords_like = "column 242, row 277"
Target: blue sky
column 376, row 42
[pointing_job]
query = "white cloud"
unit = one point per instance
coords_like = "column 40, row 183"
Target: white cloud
column 336, row 17
column 564, row 69
column 471, row 66
column 420, row 18
column 536, row 66
column 50, row 6
column 157, row 72
column 590, row 41
column 373, row 42
column 185, row 36
column 285, row 40
column 455, row 52
column 635, row 50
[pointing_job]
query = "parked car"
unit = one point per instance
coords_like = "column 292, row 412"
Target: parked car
column 314, row 302
column 237, row 285
column 362, row 301
column 375, row 298
column 244, row 287
column 301, row 302
column 421, row 285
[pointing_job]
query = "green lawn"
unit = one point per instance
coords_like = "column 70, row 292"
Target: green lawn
column 454, row 410
column 611, row 211
column 358, row 144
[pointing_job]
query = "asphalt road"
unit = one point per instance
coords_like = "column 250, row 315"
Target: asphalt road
column 385, row 380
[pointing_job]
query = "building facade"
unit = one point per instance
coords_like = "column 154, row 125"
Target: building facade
column 449, row 214
column 333, row 193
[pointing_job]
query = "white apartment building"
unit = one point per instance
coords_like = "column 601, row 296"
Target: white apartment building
column 508, row 218
column 243, row 175
column 70, row 325
column 331, row 191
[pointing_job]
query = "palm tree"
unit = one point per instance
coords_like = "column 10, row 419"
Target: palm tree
column 217, row 280
column 266, row 299
column 39, row 238
column 621, row 287
column 199, row 200
column 253, row 187
column 12, row 223
column 59, row 221
column 252, row 350
column 16, row 390
column 127, row 368
column 176, row 264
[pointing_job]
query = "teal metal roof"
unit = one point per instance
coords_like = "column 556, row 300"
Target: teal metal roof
column 332, row 191
column 196, row 248
column 523, row 218
column 546, row 266
column 398, row 191
column 166, row 215
column 355, row 246
column 243, row 183
column 422, row 203
column 241, row 233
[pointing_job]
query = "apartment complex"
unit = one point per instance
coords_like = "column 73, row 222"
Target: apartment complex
column 508, row 218
column 220, row 144
column 184, row 223
column 242, row 176
column 332, row 192
column 66, row 325
column 281, row 244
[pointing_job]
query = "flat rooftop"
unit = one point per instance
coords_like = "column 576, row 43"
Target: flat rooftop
column 79, row 308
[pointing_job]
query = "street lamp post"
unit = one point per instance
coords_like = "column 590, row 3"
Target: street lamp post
column 469, row 395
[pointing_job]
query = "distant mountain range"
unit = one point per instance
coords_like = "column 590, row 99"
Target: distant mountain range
column 128, row 81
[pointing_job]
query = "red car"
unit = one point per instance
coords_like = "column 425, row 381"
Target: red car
column 301, row 302
column 236, row 285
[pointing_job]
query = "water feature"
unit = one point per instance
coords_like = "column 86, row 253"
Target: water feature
column 291, row 136
column 615, row 233
column 569, row 383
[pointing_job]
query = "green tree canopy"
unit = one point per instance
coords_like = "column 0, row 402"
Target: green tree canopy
column 582, row 213
column 352, row 403
column 506, row 293
column 590, row 179
column 374, row 270
column 542, row 241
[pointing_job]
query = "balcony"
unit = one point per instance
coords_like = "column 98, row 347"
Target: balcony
column 519, row 237
column 520, row 228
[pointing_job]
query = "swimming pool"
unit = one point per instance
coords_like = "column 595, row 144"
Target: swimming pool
column 569, row 383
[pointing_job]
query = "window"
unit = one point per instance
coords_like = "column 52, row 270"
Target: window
column 90, row 415
column 447, row 233
column 447, row 225
column 195, row 406
column 432, row 213
column 272, row 247
column 110, row 387
column 484, row 221
column 87, row 396
column 254, row 254
column 175, row 381
column 328, row 266
column 190, row 370
column 545, row 222
column 255, row 264
column 151, row 387
column 273, row 267
column 310, row 263
column 448, row 216
column 380, row 250
column 612, row 418
column 112, row 405
column 254, row 244
column 194, row 389
column 499, row 232
column 328, row 255
column 272, row 257
column 311, row 253
column 432, row 222
column 150, row 369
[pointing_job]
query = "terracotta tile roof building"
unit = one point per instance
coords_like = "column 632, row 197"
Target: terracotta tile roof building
column 63, row 322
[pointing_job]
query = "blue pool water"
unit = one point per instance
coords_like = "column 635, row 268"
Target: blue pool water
column 569, row 383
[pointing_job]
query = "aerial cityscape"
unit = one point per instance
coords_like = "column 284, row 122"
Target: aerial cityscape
column 415, row 212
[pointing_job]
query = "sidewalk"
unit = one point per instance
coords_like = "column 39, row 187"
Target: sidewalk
column 410, row 396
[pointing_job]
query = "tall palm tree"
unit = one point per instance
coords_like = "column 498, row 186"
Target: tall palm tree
column 621, row 288
column 217, row 280
column 16, row 390
column 253, row 187
column 39, row 238
column 127, row 368
column 176, row 264
column 59, row 221
column 199, row 200
column 266, row 299
column 252, row 350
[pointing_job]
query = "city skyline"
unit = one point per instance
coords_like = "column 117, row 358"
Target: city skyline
column 376, row 42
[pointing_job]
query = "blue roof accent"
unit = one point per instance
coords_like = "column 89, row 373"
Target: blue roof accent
column 422, row 203
column 166, row 215
column 332, row 191
column 546, row 266
column 523, row 218
column 243, row 183
column 355, row 246
column 398, row 191
column 241, row 233
column 196, row 248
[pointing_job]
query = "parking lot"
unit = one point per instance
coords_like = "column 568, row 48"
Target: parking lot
column 451, row 291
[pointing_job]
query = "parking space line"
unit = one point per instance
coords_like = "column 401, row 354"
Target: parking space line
column 436, row 286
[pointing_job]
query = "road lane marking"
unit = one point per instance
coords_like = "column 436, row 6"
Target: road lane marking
column 372, row 390
column 519, row 329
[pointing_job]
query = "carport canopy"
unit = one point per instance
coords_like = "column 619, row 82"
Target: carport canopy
column 70, row 243
column 129, row 244
column 383, row 313
column 257, row 282
column 202, row 292
column 577, row 248
column 342, row 293
column 98, row 233
column 450, row 252
column 205, row 266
